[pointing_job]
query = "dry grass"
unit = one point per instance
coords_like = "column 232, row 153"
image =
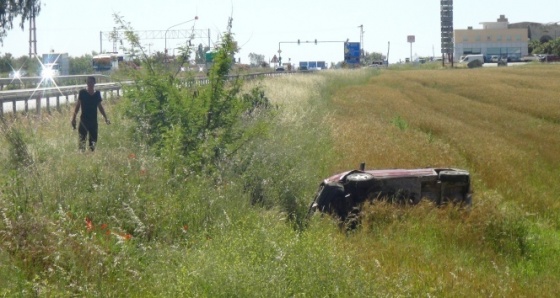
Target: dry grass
column 502, row 124
column 194, row 238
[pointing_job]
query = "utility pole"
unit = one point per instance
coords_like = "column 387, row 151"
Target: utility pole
column 362, row 40
column 388, row 50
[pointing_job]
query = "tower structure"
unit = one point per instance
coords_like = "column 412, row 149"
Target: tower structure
column 32, row 34
column 447, row 28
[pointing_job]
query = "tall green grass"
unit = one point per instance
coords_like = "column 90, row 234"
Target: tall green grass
column 116, row 223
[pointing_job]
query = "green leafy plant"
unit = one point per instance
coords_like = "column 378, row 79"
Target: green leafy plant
column 192, row 126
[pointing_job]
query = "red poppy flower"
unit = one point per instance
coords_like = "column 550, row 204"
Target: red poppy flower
column 89, row 224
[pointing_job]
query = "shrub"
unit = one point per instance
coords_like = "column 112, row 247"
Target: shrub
column 193, row 127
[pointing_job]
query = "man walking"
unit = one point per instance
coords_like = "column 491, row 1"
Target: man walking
column 89, row 100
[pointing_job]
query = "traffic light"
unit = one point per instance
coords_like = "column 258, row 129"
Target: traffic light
column 315, row 40
column 280, row 60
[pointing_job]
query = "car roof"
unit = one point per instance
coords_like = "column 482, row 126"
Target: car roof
column 390, row 173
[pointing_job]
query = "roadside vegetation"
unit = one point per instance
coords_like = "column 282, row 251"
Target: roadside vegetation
column 177, row 201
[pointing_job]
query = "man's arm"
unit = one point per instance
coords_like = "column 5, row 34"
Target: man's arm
column 102, row 110
column 76, row 110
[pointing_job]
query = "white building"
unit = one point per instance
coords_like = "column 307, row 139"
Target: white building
column 494, row 39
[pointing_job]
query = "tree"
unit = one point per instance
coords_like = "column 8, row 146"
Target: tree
column 81, row 65
column 256, row 59
column 551, row 47
column 6, row 63
column 369, row 58
column 200, row 55
column 534, row 44
column 11, row 9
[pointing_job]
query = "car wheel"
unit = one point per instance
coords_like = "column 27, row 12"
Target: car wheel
column 359, row 177
column 467, row 203
column 352, row 220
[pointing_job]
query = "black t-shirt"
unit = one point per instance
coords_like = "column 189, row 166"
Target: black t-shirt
column 89, row 104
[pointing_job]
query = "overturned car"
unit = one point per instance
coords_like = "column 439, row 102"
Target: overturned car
column 343, row 194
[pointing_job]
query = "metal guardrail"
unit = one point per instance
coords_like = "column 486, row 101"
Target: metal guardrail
column 60, row 95
column 32, row 82
column 64, row 94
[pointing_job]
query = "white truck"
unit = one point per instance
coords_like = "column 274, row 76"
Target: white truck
column 472, row 57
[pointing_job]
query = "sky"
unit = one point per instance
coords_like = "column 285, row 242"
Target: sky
column 262, row 27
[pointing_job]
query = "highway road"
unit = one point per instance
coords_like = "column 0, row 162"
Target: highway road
column 52, row 97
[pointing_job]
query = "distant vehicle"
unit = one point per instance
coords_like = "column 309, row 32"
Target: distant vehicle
column 303, row 68
column 377, row 63
column 550, row 58
column 16, row 74
column 280, row 68
column 50, row 70
column 469, row 58
column 494, row 58
column 107, row 61
column 342, row 195
column 531, row 58
column 58, row 62
column 503, row 61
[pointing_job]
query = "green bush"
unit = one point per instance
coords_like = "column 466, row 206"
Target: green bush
column 193, row 127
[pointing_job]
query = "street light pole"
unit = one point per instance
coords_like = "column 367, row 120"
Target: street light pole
column 165, row 36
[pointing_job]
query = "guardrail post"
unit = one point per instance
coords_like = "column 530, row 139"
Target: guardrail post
column 38, row 104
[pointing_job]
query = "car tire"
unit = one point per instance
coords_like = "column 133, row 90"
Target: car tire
column 467, row 203
column 352, row 220
column 359, row 178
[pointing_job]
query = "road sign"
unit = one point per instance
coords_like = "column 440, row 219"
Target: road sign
column 210, row 57
column 352, row 52
column 411, row 38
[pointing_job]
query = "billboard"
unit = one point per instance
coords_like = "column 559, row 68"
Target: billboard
column 352, row 52
column 313, row 65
